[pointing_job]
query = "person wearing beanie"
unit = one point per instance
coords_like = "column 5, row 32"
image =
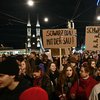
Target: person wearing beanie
column 74, row 62
column 10, row 86
column 34, row 93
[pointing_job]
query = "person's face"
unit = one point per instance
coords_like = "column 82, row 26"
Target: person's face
column 37, row 74
column 83, row 73
column 53, row 67
column 5, row 80
column 86, row 56
column 69, row 72
column 22, row 67
column 32, row 55
column 93, row 64
column 64, row 61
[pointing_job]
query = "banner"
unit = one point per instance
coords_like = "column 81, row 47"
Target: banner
column 59, row 38
column 92, row 40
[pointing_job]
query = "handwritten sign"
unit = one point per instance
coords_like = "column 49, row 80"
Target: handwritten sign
column 59, row 38
column 92, row 40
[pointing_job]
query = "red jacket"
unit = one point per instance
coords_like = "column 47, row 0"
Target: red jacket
column 82, row 88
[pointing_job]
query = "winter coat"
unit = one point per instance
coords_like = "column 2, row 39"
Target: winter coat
column 6, row 94
column 95, row 93
column 82, row 88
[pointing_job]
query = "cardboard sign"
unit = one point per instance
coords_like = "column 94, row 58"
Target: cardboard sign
column 59, row 38
column 92, row 40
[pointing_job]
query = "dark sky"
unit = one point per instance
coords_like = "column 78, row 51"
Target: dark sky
column 14, row 14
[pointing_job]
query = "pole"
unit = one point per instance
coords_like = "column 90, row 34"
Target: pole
column 61, row 67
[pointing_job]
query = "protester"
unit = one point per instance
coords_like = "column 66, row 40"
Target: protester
column 43, row 80
column 82, row 88
column 65, row 81
column 45, row 61
column 19, row 59
column 34, row 60
column 53, row 74
column 98, row 74
column 95, row 94
column 74, row 62
column 93, row 68
column 25, row 70
column 10, row 86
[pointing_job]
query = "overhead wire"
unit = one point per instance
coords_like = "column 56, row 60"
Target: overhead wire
column 76, row 9
column 15, row 19
column 83, row 12
column 74, row 17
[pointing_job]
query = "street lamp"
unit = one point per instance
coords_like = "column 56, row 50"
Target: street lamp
column 46, row 19
column 98, row 12
column 30, row 3
column 98, row 17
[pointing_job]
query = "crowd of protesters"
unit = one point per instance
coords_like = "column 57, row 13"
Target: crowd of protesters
column 79, row 79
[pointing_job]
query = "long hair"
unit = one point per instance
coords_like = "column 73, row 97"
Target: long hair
column 29, row 69
column 63, row 78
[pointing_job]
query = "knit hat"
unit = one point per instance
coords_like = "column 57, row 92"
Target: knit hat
column 34, row 93
column 9, row 66
column 72, row 59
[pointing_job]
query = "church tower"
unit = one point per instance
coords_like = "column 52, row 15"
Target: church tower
column 29, row 34
column 38, row 33
column 39, row 40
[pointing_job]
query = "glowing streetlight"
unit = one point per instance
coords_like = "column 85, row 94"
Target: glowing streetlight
column 46, row 19
column 30, row 3
column 98, row 18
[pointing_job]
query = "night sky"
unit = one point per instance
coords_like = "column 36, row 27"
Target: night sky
column 14, row 16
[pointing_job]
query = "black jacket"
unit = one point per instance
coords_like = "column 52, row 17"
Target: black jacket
column 6, row 94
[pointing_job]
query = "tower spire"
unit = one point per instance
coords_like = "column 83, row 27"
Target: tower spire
column 29, row 23
column 39, row 40
column 37, row 24
column 29, row 34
